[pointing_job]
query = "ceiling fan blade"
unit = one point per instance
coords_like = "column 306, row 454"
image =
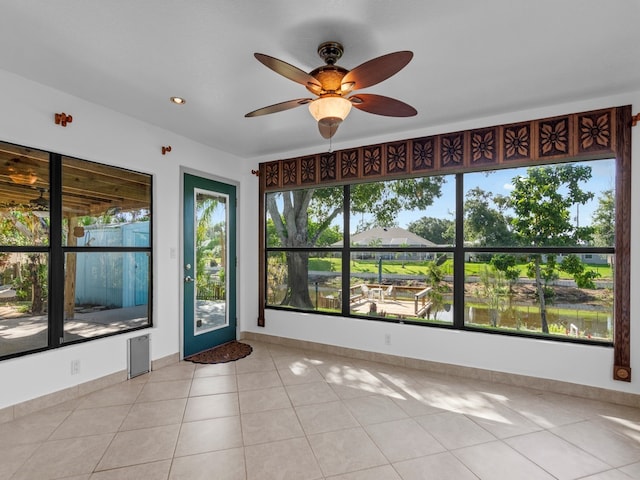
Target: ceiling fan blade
column 378, row 69
column 287, row 70
column 328, row 130
column 381, row 105
column 279, row 107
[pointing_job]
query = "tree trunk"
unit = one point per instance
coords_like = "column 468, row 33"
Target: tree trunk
column 37, row 305
column 298, row 285
column 541, row 298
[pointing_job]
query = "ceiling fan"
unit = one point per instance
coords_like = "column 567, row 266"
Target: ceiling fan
column 333, row 86
column 40, row 203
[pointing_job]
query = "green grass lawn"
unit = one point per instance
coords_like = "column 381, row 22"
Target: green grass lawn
column 397, row 267
column 476, row 268
column 553, row 311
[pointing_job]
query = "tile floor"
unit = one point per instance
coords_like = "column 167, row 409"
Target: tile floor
column 284, row 414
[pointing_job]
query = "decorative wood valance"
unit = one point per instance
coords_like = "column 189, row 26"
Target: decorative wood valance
column 575, row 136
column 590, row 135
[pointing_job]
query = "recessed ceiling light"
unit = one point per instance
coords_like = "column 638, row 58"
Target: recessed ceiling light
column 178, row 100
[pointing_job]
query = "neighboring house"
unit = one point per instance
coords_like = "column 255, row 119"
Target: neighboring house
column 596, row 259
column 391, row 237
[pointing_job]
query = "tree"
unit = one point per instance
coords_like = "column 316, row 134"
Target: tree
column 542, row 202
column 507, row 265
column 584, row 278
column 485, row 222
column 20, row 227
column 328, row 236
column 273, row 240
column 290, row 212
column 294, row 212
column 604, row 220
column 440, row 231
column 435, row 280
column 205, row 207
column 492, row 282
column 37, row 276
column 276, row 274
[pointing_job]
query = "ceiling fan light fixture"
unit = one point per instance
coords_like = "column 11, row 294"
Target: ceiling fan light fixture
column 330, row 110
column 28, row 178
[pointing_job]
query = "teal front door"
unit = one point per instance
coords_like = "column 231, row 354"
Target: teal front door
column 209, row 264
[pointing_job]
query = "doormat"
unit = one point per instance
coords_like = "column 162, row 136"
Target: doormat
column 227, row 352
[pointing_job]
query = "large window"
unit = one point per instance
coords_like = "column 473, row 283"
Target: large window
column 522, row 251
column 75, row 250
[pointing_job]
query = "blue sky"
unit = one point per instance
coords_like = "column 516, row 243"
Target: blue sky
column 499, row 182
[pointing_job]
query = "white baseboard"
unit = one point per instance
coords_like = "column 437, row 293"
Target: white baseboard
column 72, row 393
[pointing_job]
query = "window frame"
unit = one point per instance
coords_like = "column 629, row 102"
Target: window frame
column 458, row 251
column 56, row 252
column 457, row 153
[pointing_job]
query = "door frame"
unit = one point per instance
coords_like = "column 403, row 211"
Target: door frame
column 181, row 262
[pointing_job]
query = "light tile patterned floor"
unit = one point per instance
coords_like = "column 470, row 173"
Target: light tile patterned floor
column 286, row 414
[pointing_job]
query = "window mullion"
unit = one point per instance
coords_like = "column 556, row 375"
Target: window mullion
column 346, row 250
column 458, row 256
column 56, row 256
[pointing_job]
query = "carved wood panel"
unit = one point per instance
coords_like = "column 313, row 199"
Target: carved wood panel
column 585, row 135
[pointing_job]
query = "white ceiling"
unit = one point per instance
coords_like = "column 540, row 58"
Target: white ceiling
column 472, row 58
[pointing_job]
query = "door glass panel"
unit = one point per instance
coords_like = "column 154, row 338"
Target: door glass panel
column 211, row 260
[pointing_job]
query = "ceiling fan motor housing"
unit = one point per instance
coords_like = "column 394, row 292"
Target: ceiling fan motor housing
column 330, row 77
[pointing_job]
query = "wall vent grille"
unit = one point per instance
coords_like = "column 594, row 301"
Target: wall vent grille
column 138, row 359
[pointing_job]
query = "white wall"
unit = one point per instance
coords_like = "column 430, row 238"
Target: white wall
column 101, row 135
column 581, row 364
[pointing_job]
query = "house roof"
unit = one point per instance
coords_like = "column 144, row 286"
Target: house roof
column 390, row 237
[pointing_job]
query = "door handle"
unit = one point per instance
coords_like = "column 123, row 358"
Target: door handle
column 188, row 279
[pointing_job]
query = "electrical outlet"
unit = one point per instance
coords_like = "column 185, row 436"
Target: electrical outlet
column 75, row 367
column 387, row 339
